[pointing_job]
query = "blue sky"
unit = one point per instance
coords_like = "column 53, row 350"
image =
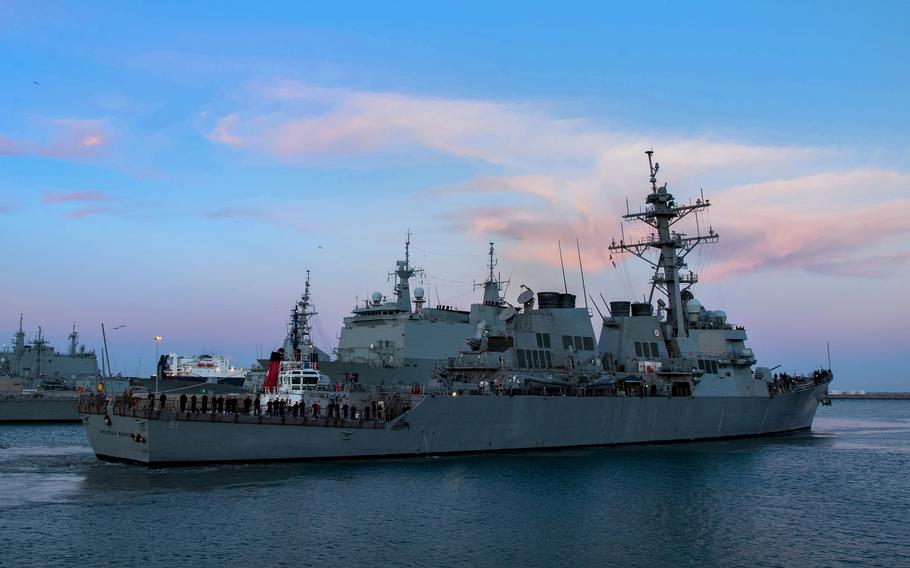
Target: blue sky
column 177, row 167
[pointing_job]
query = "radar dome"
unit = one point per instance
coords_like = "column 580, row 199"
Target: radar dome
column 418, row 292
column 693, row 306
column 377, row 297
column 721, row 315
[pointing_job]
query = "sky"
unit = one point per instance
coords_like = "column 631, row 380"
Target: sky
column 175, row 168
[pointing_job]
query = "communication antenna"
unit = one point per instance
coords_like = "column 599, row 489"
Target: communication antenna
column 606, row 305
column 596, row 307
column 581, row 267
column 564, row 283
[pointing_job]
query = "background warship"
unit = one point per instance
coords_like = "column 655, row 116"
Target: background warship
column 37, row 382
column 532, row 377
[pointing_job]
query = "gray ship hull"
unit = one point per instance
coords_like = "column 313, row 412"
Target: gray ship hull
column 23, row 408
column 451, row 425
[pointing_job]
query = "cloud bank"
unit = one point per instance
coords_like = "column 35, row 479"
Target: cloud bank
column 541, row 177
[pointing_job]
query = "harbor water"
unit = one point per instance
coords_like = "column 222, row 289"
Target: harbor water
column 839, row 495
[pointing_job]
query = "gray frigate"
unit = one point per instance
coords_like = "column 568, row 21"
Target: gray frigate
column 532, row 376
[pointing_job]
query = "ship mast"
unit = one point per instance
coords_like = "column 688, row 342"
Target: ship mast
column 404, row 272
column 493, row 285
column 299, row 332
column 74, row 339
column 670, row 276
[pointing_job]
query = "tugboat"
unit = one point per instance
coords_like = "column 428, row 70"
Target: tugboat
column 532, row 377
column 293, row 376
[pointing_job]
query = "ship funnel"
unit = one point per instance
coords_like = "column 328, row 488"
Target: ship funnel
column 620, row 309
column 642, row 309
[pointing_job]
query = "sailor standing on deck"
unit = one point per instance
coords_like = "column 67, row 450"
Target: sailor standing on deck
column 183, row 402
column 193, row 404
column 205, row 403
column 151, row 403
column 162, row 399
column 257, row 405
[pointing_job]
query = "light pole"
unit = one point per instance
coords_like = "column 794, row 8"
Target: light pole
column 157, row 366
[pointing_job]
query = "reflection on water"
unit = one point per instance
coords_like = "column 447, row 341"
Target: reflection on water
column 835, row 495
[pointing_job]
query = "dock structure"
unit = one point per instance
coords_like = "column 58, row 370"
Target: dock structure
column 869, row 395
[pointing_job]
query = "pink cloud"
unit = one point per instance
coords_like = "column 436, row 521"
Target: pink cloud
column 222, row 131
column 75, row 196
column 291, row 120
column 826, row 223
column 86, row 212
column 802, row 224
column 62, row 138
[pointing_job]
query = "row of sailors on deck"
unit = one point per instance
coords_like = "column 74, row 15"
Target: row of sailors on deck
column 250, row 407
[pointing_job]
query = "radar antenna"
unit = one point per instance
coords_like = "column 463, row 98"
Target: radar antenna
column 670, row 277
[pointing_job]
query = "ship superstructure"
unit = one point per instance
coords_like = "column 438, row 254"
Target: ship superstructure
column 397, row 340
column 531, row 377
column 38, row 360
column 681, row 348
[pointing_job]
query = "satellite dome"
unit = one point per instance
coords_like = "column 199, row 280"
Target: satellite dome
column 721, row 315
column 377, row 297
column 693, row 306
column 418, row 292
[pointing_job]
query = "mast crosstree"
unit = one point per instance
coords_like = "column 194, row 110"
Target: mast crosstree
column 671, row 277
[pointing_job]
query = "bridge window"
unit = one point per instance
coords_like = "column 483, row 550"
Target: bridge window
column 578, row 344
column 567, row 342
column 638, row 350
column 536, row 357
column 707, row 365
column 520, row 353
column 549, row 360
column 589, row 343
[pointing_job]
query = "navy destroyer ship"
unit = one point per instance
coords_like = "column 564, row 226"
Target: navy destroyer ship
column 531, row 376
column 39, row 383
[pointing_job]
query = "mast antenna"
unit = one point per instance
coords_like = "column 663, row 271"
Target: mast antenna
column 407, row 249
column 492, row 262
column 581, row 268
column 654, row 166
column 564, row 283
